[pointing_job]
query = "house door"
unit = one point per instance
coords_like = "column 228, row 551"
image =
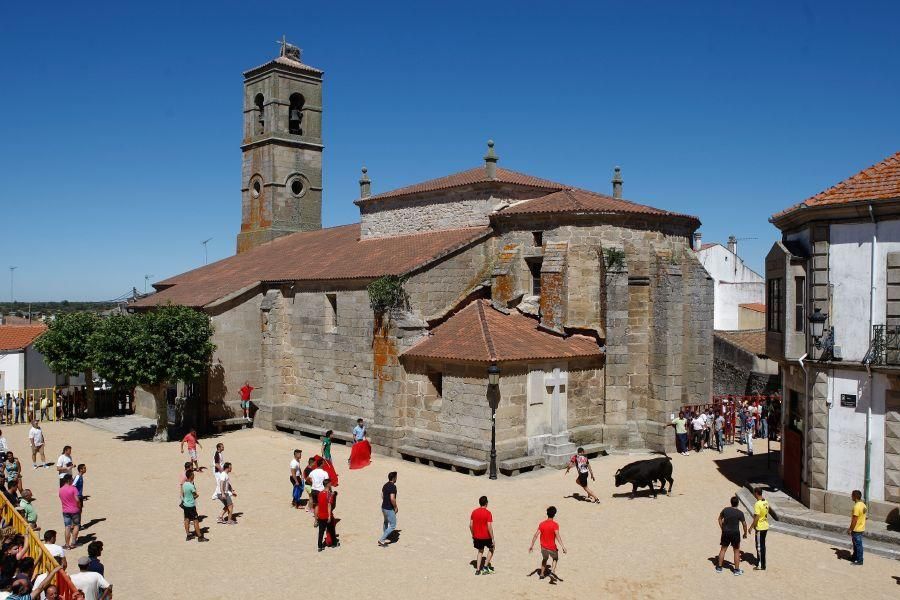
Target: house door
column 793, row 460
column 892, row 447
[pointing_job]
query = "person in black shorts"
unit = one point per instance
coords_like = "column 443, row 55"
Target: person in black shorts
column 481, row 525
column 731, row 519
column 583, row 466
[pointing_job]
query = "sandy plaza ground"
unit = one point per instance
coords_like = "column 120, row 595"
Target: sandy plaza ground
column 622, row 548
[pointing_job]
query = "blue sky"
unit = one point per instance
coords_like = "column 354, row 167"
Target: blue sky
column 122, row 121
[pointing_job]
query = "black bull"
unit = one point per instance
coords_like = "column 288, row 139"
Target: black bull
column 644, row 472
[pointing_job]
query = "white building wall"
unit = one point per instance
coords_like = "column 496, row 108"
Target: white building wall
column 12, row 366
column 735, row 284
column 847, row 432
column 850, row 266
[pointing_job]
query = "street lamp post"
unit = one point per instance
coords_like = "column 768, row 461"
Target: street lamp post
column 494, row 401
column 12, row 293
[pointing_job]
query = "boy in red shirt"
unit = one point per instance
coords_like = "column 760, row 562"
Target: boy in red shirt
column 482, row 528
column 324, row 518
column 245, row 399
column 548, row 531
column 191, row 440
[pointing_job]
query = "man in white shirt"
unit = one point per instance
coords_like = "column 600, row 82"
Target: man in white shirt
column 64, row 463
column 296, row 478
column 55, row 550
column 90, row 583
column 36, row 437
column 4, row 448
column 224, row 492
column 317, row 479
column 698, row 424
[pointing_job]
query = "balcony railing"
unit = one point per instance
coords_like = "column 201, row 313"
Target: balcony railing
column 885, row 346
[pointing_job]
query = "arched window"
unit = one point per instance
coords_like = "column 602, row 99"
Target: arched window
column 259, row 101
column 295, row 114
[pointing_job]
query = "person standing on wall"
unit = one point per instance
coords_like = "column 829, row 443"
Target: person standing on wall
column 246, row 390
column 389, row 508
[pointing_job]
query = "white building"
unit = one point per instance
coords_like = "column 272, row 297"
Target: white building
column 840, row 256
column 21, row 366
column 735, row 282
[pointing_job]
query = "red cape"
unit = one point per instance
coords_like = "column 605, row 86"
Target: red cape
column 360, row 454
column 328, row 468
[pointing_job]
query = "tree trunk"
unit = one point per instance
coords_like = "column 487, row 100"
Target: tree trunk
column 90, row 401
column 162, row 412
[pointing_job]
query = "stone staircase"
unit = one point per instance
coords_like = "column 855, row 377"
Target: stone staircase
column 792, row 518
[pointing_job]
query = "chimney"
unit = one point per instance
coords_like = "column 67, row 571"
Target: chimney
column 617, row 182
column 732, row 244
column 365, row 186
column 490, row 161
column 698, row 241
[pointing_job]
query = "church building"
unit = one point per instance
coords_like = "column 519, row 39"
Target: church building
column 591, row 312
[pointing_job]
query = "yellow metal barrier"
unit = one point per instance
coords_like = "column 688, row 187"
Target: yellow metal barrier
column 43, row 404
column 43, row 560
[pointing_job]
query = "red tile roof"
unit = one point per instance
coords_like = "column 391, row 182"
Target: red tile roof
column 18, row 337
column 754, row 306
column 574, row 200
column 284, row 61
column 466, row 178
column 327, row 254
column 878, row 182
column 749, row 340
column 709, row 245
column 482, row 334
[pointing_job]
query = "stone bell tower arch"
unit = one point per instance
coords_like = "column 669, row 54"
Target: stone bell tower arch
column 281, row 170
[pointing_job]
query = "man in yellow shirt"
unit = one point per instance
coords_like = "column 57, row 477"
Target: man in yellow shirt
column 761, row 525
column 857, row 527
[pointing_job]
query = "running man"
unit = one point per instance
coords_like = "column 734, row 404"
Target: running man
column 189, row 506
column 297, row 478
column 36, row 437
column 857, row 527
column 731, row 519
column 245, row 399
column 192, row 443
column 482, row 527
column 761, row 525
column 583, row 467
column 548, row 531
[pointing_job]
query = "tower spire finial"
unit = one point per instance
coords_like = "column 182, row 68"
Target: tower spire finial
column 617, row 182
column 288, row 50
column 365, row 186
column 490, row 161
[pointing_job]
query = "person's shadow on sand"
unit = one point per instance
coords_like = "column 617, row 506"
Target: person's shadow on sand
column 580, row 497
column 842, row 554
column 553, row 577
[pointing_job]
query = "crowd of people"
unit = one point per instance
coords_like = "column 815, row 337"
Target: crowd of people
column 711, row 427
column 24, row 408
column 19, row 576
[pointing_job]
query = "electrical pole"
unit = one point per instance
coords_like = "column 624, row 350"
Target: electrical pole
column 205, row 255
column 146, row 282
column 12, row 295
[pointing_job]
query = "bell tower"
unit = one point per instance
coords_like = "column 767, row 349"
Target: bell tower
column 281, row 170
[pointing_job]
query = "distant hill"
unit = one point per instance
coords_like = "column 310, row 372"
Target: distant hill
column 20, row 309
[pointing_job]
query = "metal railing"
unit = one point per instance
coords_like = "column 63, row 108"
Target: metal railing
column 885, row 346
column 42, row 404
column 43, row 560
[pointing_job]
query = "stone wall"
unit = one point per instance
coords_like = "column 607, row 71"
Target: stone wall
column 439, row 287
column 449, row 209
column 736, row 372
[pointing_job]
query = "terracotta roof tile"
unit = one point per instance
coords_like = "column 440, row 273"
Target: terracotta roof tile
column 574, row 200
column 754, row 306
column 17, row 337
column 327, row 254
column 709, row 245
column 284, row 61
column 750, row 340
column 482, row 334
column 466, row 178
column 878, row 182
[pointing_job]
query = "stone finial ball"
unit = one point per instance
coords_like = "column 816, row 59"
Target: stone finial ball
column 490, row 143
column 365, row 170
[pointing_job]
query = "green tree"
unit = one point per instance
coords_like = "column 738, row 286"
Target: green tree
column 153, row 350
column 66, row 348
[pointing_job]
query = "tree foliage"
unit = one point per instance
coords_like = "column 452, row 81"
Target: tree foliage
column 386, row 293
column 66, row 344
